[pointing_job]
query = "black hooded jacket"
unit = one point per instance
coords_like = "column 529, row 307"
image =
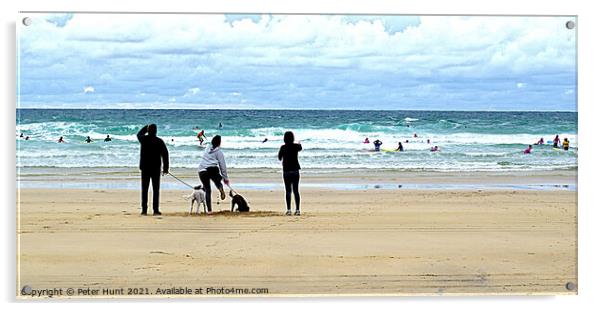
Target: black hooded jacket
column 152, row 150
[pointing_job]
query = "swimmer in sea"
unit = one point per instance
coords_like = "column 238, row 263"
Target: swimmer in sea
column 108, row 138
column 565, row 144
column 540, row 141
column 415, row 135
column 366, row 141
column 556, row 141
column 264, row 140
column 435, row 149
column 61, row 140
column 399, row 147
column 377, row 143
column 88, row 140
column 528, row 150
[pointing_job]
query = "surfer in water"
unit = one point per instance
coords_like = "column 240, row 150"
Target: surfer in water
column 88, row 140
column 528, row 150
column 399, row 147
column 366, row 141
column 61, row 140
column 540, row 141
column 220, row 125
column 556, row 141
column 264, row 140
column 377, row 143
column 201, row 137
column 108, row 138
column 435, row 149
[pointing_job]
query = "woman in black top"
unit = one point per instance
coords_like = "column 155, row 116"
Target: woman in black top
column 290, row 170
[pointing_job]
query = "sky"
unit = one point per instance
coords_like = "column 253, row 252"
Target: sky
column 296, row 62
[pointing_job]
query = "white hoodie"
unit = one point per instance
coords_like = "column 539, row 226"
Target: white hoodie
column 213, row 157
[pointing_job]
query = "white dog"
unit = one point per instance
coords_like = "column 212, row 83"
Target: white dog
column 197, row 196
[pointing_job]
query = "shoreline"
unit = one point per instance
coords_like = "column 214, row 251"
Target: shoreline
column 339, row 179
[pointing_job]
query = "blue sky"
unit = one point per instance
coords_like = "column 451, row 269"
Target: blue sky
column 297, row 62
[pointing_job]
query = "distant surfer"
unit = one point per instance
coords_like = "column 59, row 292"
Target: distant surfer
column 377, row 143
column 415, row 135
column 264, row 140
column 399, row 147
column 61, row 140
column 556, row 141
column 88, row 140
column 108, row 138
column 220, row 125
column 407, row 141
column 435, row 149
column 366, row 141
column 565, row 144
column 21, row 135
column 528, row 150
column 26, row 137
column 540, row 141
column 428, row 141
column 201, row 136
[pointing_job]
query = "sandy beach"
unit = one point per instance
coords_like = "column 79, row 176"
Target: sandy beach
column 347, row 242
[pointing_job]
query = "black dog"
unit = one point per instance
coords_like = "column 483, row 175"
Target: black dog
column 240, row 201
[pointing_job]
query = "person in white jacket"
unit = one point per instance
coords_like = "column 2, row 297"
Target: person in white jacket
column 213, row 167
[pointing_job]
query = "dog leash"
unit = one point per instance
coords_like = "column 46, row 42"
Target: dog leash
column 235, row 192
column 178, row 179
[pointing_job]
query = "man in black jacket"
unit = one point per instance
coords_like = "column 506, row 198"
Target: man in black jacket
column 152, row 151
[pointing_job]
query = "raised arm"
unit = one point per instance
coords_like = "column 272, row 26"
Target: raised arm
column 142, row 132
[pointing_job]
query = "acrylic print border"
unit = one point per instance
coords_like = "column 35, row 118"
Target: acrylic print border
column 572, row 292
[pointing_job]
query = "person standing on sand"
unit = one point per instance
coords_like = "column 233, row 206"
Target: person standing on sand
column 152, row 152
column 288, row 154
column 213, row 167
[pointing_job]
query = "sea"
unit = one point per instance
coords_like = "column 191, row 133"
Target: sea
column 331, row 139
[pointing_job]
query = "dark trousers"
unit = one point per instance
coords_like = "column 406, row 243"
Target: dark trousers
column 146, row 179
column 291, row 184
column 212, row 173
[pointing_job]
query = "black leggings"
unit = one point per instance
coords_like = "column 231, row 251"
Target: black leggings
column 212, row 173
column 291, row 183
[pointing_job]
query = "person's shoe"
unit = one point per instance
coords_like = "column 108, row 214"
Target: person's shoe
column 157, row 214
column 222, row 193
column 297, row 213
column 143, row 214
column 288, row 212
column 209, row 212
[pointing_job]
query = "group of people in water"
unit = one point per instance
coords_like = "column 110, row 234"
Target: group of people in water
column 378, row 143
column 154, row 160
column 556, row 144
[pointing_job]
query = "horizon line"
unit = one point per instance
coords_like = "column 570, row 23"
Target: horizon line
column 289, row 109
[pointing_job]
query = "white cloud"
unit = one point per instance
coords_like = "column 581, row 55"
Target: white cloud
column 89, row 89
